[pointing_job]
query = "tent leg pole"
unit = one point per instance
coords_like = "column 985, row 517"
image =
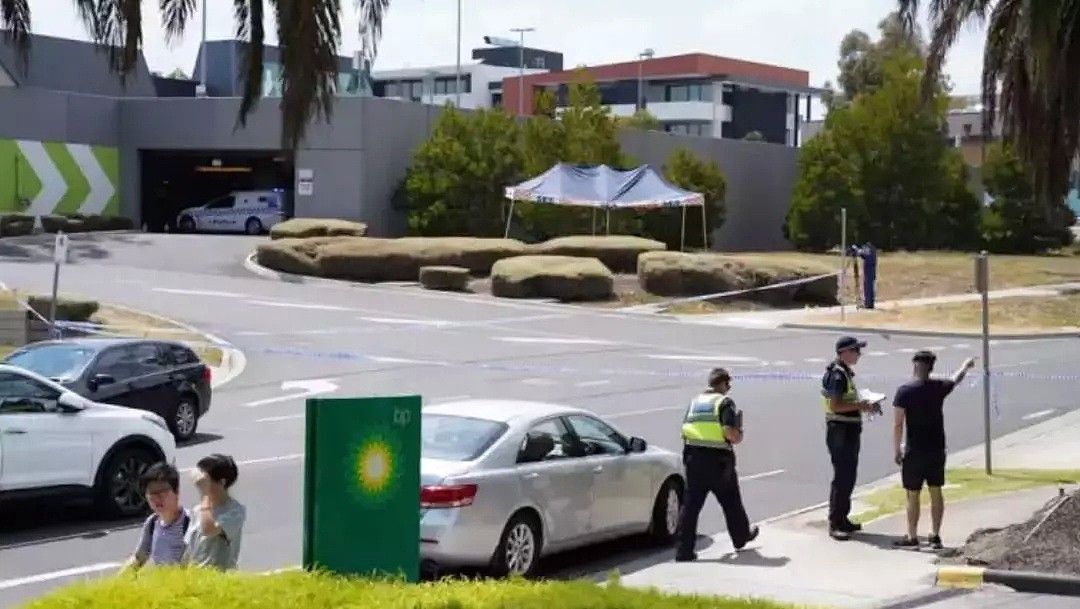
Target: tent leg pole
column 509, row 217
column 704, row 229
column 607, row 222
column 594, row 222
column 682, row 231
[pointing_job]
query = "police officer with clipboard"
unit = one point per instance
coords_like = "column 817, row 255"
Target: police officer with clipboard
column 711, row 429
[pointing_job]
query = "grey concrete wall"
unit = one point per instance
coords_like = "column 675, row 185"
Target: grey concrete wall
column 43, row 115
column 760, row 178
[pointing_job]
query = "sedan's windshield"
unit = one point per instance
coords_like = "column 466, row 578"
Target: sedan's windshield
column 454, row 438
column 53, row 361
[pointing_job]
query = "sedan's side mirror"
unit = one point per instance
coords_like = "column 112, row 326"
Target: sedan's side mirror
column 70, row 402
column 638, row 445
column 98, row 380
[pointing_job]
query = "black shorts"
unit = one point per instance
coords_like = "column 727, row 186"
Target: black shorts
column 920, row 467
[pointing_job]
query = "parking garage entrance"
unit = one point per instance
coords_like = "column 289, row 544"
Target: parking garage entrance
column 173, row 180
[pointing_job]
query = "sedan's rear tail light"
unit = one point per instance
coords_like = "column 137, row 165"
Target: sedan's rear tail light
column 207, row 374
column 451, row 496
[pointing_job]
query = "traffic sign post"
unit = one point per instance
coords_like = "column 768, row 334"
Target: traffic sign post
column 60, row 254
column 362, row 486
column 982, row 284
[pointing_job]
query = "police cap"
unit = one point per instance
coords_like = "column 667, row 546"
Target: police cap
column 846, row 343
column 924, row 356
column 717, row 376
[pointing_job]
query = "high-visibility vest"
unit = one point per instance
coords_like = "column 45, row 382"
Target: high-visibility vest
column 701, row 424
column 851, row 394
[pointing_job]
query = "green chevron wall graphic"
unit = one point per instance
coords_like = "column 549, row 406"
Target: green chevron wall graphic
column 59, row 178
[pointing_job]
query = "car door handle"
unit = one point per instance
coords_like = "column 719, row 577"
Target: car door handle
column 14, row 432
column 531, row 476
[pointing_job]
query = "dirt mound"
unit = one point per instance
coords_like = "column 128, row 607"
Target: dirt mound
column 1048, row 542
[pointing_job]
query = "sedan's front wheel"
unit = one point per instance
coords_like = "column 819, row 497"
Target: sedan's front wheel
column 519, row 547
column 665, row 517
column 118, row 492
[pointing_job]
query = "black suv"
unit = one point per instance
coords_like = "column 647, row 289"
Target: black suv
column 161, row 376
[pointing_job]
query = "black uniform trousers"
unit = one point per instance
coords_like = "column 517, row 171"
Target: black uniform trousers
column 844, row 441
column 711, row 470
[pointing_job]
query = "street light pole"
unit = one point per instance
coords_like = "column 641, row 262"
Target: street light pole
column 646, row 54
column 202, row 53
column 457, row 78
column 521, row 67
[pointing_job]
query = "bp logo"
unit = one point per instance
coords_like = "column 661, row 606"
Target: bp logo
column 374, row 464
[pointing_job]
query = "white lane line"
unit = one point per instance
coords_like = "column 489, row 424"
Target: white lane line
column 634, row 413
column 907, row 350
column 540, row 382
column 198, row 292
column 1013, row 364
column 53, row 575
column 262, row 461
column 592, row 383
column 706, row 358
column 1039, row 415
column 961, row 346
column 402, row 360
column 815, row 360
column 935, row 348
column 782, row 363
column 405, row 321
column 297, row 305
column 450, row 398
column 288, row 417
column 543, row 340
column 775, row 472
column 877, row 353
column 252, row 333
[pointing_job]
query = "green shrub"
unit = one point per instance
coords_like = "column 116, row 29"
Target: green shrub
column 211, row 589
column 67, row 309
column 565, row 278
column 79, row 223
column 14, row 225
column 448, row 278
column 369, row 259
column 300, row 228
column 618, row 252
column 683, row 274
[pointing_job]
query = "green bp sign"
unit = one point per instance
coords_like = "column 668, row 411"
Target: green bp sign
column 362, row 486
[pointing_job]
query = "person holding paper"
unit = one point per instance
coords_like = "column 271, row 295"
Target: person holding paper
column 919, row 406
column 843, row 421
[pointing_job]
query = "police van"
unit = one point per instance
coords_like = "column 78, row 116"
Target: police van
column 244, row 211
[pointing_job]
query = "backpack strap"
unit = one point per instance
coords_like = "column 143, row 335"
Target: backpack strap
column 185, row 522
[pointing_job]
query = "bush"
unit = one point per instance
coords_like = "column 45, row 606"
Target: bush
column 302, row 228
column 212, row 589
column 14, row 225
column 79, row 223
column 618, row 252
column 681, row 274
column 67, row 309
column 448, row 278
column 565, row 278
column 367, row 259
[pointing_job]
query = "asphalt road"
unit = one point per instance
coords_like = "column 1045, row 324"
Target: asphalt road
column 375, row 340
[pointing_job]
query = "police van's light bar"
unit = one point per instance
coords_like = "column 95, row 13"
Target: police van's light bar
column 221, row 169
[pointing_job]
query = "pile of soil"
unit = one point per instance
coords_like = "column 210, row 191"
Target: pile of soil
column 1053, row 547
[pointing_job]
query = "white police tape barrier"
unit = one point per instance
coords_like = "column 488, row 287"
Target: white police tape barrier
column 656, row 307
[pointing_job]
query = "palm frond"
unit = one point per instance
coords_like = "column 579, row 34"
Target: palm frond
column 309, row 34
column 15, row 21
column 372, row 15
column 175, row 15
column 249, row 28
column 116, row 27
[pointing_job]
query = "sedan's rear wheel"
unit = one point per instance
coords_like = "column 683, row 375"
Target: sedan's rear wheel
column 665, row 518
column 185, row 419
column 519, row 547
column 187, row 224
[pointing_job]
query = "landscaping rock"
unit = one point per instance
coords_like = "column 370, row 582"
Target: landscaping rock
column 446, row 278
column 302, row 228
column 618, row 252
column 15, row 225
column 368, row 259
column 565, row 278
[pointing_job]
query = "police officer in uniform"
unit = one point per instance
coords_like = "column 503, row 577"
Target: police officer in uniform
column 711, row 427
column 843, row 422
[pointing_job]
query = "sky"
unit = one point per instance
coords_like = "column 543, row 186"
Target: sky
column 802, row 34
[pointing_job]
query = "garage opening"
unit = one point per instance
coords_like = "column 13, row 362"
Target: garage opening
column 174, row 180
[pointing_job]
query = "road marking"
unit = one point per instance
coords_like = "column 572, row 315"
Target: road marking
column 706, row 358
column 1038, row 415
column 907, row 350
column 438, row 323
column 935, row 348
column 198, row 292
column 634, row 413
column 288, row 417
column 961, row 346
column 775, row 472
column 592, row 383
column 297, row 305
column 815, row 360
column 262, row 461
column 542, row 340
column 403, row 360
column 52, row 575
column 877, row 353
column 538, row 382
column 452, row 398
column 1013, row 364
column 253, row 333
column 307, row 389
column 782, row 363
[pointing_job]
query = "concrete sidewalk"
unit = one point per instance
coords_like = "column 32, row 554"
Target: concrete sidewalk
column 795, row 561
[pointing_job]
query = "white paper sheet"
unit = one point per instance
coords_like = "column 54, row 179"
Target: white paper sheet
column 871, row 396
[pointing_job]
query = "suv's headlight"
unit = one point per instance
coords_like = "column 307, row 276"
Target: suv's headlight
column 156, row 420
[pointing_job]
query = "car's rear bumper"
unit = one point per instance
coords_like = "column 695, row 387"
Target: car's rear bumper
column 451, row 537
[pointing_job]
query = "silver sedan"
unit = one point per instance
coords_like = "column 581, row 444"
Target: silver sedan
column 505, row 482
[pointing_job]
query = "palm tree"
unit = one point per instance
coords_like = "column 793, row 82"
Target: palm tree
column 1031, row 64
column 309, row 34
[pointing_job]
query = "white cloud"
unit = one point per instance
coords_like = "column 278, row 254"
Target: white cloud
column 800, row 34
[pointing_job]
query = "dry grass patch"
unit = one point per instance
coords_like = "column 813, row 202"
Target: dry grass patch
column 564, row 278
column 125, row 322
column 618, row 252
column 302, row 228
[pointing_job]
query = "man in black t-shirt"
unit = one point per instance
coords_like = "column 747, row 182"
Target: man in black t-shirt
column 919, row 406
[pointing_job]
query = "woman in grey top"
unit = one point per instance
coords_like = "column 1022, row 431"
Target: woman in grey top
column 217, row 523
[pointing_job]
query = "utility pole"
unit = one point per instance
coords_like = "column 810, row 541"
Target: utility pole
column 457, row 79
column 202, row 53
column 642, row 56
column 521, row 31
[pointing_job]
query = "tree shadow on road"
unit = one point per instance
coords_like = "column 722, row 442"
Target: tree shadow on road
column 81, row 246
column 34, row 522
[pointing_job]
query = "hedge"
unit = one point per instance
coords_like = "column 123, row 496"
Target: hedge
column 683, row 274
column 564, row 278
column 67, row 309
column 194, row 588
column 369, row 259
column 618, row 252
column 300, row 228
column 448, row 278
column 12, row 225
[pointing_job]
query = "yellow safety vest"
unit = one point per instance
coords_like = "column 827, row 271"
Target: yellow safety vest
column 851, row 394
column 701, row 424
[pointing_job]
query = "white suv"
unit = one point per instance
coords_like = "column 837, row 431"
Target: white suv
column 55, row 442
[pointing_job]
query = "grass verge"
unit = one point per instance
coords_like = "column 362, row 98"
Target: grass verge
column 209, row 589
column 1014, row 314
column 125, row 322
column 966, row 483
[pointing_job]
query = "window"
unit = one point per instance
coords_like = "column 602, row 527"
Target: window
column 455, row 438
column 124, row 363
column 393, row 89
column 65, row 361
column 539, row 63
column 688, row 92
column 441, row 87
column 20, row 395
column 967, row 128
column 180, row 355
column 222, row 203
column 598, row 437
column 562, row 446
column 416, row 89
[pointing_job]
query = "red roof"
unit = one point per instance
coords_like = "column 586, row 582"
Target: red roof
column 693, row 64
